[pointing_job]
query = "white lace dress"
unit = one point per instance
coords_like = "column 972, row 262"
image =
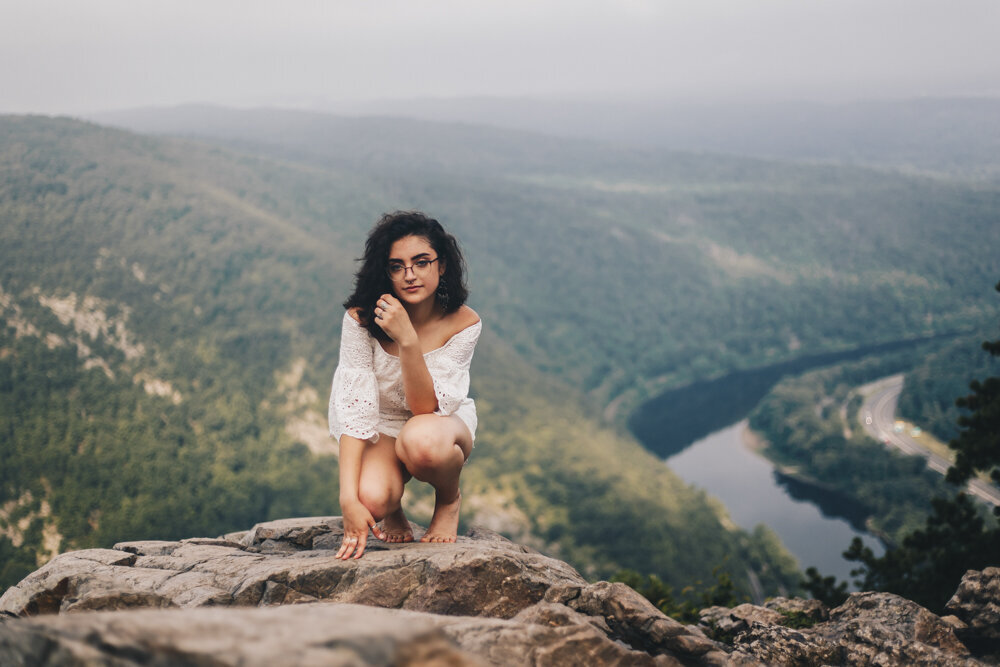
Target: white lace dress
column 367, row 396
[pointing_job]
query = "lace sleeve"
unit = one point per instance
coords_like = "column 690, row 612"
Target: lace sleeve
column 354, row 394
column 451, row 376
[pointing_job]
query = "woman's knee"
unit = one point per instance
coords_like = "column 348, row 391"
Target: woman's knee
column 380, row 495
column 425, row 442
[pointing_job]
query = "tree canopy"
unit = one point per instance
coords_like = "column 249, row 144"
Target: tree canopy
column 958, row 535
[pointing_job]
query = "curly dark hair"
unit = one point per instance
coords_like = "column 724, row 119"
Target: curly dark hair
column 372, row 279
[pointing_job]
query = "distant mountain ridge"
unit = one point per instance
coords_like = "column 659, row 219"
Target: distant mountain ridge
column 824, row 243
column 956, row 136
column 602, row 276
column 170, row 317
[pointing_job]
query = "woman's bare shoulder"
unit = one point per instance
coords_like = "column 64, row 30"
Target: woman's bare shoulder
column 464, row 318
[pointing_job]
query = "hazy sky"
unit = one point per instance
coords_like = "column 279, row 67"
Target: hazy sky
column 75, row 56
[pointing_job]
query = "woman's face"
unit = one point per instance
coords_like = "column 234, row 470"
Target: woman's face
column 415, row 269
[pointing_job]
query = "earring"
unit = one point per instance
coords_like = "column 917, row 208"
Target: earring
column 442, row 295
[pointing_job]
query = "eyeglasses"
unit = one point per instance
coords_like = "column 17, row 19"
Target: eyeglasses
column 420, row 267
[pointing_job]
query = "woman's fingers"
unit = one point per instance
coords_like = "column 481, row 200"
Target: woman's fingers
column 349, row 545
column 362, row 541
column 343, row 548
column 390, row 314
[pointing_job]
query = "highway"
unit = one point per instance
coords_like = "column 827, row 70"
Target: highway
column 878, row 417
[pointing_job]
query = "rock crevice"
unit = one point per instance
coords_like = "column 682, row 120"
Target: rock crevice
column 277, row 595
column 482, row 600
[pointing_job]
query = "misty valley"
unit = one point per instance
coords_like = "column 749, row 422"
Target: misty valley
column 170, row 296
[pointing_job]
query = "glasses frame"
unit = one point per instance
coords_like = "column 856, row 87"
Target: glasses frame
column 411, row 267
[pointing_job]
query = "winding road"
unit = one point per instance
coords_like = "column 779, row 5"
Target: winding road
column 878, row 417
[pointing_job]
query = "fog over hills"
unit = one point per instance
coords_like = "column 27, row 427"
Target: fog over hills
column 171, row 307
column 170, row 321
column 957, row 136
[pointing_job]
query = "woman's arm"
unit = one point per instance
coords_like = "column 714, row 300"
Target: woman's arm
column 354, row 407
column 350, row 468
column 417, row 382
column 357, row 518
column 418, row 385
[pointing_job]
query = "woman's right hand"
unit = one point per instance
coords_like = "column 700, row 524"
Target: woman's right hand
column 357, row 521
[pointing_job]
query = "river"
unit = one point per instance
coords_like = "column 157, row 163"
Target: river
column 697, row 429
column 724, row 465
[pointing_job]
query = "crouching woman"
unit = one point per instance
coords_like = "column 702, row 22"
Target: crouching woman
column 399, row 405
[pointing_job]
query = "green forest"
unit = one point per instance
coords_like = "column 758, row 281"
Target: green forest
column 170, row 312
column 939, row 378
column 811, row 426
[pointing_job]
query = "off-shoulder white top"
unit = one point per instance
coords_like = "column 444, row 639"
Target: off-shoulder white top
column 367, row 396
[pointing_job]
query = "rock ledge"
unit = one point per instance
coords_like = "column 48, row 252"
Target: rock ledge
column 277, row 595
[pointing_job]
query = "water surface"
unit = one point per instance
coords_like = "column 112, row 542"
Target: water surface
column 755, row 493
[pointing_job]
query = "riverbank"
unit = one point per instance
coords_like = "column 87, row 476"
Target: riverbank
column 831, row 501
column 755, row 494
column 672, row 420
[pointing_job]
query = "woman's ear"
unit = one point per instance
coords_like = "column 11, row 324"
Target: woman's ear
column 441, row 268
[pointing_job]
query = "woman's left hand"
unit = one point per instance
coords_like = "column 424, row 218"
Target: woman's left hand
column 394, row 320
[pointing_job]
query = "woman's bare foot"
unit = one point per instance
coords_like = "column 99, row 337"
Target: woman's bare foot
column 444, row 523
column 396, row 528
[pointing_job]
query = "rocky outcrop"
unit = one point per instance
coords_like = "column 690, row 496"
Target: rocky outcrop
column 976, row 604
column 868, row 629
column 276, row 595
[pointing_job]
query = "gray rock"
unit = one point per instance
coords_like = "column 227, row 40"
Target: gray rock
column 812, row 610
column 318, row 634
column 977, row 603
column 882, row 628
column 482, row 595
column 778, row 611
column 634, row 620
column 778, row 645
column 868, row 629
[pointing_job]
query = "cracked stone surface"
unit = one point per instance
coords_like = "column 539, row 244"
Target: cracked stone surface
column 868, row 629
column 276, row 594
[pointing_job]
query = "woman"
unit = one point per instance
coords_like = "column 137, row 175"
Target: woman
column 399, row 405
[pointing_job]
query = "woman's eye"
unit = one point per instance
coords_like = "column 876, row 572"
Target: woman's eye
column 395, row 268
column 421, row 263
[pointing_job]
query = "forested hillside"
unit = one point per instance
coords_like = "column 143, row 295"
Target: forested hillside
column 170, row 323
column 811, row 427
column 933, row 385
column 629, row 271
column 171, row 310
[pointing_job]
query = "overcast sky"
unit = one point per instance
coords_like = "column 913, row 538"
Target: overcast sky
column 77, row 56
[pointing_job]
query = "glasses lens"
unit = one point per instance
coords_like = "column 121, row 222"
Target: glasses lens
column 420, row 266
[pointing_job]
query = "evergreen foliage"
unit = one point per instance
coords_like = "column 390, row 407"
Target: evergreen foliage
column 958, row 536
column 692, row 599
column 977, row 446
column 928, row 396
column 825, row 589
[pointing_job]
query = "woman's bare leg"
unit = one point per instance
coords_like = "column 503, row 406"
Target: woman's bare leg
column 380, row 488
column 434, row 448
